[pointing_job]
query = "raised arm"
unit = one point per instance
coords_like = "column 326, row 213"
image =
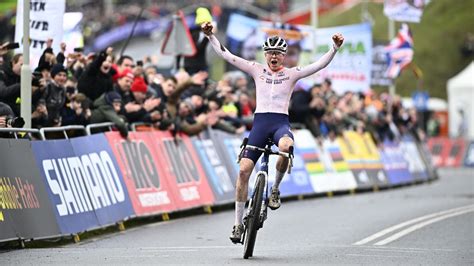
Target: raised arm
column 324, row 60
column 240, row 63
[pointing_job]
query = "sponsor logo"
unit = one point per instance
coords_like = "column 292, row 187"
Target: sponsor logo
column 86, row 183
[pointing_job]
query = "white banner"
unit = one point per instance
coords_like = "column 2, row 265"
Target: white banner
column 46, row 21
column 404, row 10
column 350, row 70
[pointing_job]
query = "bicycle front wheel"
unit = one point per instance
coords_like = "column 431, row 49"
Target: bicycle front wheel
column 253, row 218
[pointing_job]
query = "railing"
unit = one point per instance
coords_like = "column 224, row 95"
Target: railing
column 15, row 131
column 60, row 129
column 108, row 125
column 136, row 125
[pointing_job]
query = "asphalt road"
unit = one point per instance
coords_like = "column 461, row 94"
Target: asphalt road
column 334, row 230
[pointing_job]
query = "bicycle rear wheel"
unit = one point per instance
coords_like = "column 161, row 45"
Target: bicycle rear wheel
column 253, row 218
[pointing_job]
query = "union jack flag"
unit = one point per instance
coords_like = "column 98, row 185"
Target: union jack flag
column 399, row 52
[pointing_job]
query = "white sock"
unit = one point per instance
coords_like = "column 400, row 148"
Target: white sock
column 239, row 212
column 279, row 176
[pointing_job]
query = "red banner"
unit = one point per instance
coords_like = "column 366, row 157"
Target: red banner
column 144, row 177
column 182, row 169
column 447, row 152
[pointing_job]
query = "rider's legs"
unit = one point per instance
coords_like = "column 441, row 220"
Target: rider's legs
column 242, row 187
column 282, row 164
column 284, row 138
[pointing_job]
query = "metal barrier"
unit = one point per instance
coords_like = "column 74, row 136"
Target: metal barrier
column 15, row 130
column 108, row 125
column 134, row 126
column 58, row 129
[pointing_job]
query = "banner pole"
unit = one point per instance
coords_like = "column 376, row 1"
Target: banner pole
column 25, row 94
column 391, row 35
column 314, row 23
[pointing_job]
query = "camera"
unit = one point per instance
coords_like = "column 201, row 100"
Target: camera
column 17, row 122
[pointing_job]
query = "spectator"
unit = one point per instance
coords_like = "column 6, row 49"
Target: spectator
column 107, row 108
column 76, row 113
column 147, row 112
column 10, row 83
column 54, row 94
column 97, row 77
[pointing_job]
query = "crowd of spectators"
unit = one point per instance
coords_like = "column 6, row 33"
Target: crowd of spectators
column 74, row 89
column 327, row 114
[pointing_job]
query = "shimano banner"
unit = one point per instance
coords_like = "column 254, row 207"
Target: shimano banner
column 25, row 210
column 85, row 188
column 116, row 204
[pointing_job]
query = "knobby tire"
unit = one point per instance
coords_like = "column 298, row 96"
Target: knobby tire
column 253, row 220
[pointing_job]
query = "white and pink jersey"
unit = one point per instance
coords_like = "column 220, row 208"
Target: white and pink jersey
column 273, row 88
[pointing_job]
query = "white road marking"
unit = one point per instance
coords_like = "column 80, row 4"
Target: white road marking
column 374, row 255
column 407, row 223
column 419, row 226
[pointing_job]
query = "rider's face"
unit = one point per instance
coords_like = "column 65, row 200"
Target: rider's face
column 274, row 59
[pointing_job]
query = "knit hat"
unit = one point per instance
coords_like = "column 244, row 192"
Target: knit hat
column 139, row 85
column 56, row 69
column 112, row 96
column 189, row 104
column 6, row 110
column 126, row 73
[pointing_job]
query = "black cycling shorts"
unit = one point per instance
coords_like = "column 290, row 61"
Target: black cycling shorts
column 265, row 126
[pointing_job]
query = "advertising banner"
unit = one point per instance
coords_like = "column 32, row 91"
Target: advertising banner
column 229, row 146
column 109, row 193
column 394, row 163
column 360, row 153
column 217, row 174
column 73, row 183
column 183, row 169
column 144, row 176
column 25, row 208
column 320, row 166
column 46, row 21
column 336, row 168
column 469, row 158
column 351, row 68
column 439, row 149
column 456, row 152
column 412, row 155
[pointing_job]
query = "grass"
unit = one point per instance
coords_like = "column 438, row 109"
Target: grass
column 438, row 39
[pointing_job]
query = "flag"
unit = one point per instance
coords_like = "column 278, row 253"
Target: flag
column 399, row 52
column 405, row 10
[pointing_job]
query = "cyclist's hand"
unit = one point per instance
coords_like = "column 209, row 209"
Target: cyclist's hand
column 338, row 39
column 207, row 28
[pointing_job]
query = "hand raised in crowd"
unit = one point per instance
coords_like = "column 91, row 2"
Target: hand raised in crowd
column 3, row 48
column 63, row 47
column 151, row 104
column 109, row 50
column 338, row 39
column 3, row 121
column 199, row 77
column 212, row 119
column 88, row 113
column 207, row 28
column 132, row 107
column 40, row 111
column 201, row 119
column 155, row 116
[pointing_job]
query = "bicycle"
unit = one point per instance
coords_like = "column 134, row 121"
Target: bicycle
column 257, row 208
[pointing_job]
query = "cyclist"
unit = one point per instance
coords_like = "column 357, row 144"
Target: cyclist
column 274, row 85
